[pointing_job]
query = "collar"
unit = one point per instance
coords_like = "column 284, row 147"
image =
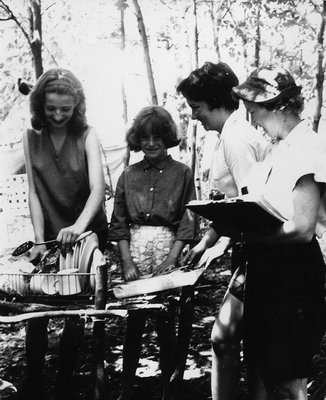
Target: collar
column 293, row 138
column 230, row 121
column 160, row 165
column 299, row 130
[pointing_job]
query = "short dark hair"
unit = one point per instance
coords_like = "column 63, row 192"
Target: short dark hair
column 153, row 120
column 213, row 84
column 61, row 81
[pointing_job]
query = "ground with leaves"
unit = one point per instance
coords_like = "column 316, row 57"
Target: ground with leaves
column 211, row 288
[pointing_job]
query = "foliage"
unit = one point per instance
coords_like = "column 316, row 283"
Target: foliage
column 85, row 37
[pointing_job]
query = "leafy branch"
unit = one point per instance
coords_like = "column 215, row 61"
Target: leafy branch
column 11, row 16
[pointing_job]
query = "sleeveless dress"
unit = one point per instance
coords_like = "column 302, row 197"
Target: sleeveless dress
column 61, row 181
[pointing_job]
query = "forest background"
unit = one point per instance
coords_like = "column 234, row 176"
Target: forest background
column 132, row 53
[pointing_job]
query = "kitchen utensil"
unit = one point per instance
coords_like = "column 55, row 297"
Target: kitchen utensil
column 24, row 247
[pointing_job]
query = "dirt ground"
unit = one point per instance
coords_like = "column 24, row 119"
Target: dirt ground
column 196, row 385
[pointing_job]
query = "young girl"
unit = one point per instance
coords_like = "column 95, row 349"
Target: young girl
column 152, row 226
column 66, row 195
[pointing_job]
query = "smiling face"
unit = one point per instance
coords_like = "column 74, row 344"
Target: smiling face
column 267, row 119
column 153, row 147
column 202, row 113
column 58, row 109
column 211, row 119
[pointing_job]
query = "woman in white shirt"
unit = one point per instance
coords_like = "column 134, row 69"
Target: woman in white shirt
column 284, row 308
column 208, row 91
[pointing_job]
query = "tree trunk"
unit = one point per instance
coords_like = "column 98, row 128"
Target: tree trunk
column 142, row 31
column 123, row 51
column 245, row 47
column 122, row 5
column 258, row 36
column 216, row 26
column 320, row 76
column 35, row 22
column 99, row 331
column 194, row 130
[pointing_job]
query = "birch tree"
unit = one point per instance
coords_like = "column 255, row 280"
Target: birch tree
column 148, row 63
column 320, row 75
column 122, row 5
column 33, row 34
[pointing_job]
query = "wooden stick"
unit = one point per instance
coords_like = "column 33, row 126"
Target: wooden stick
column 184, row 333
column 55, row 314
column 99, row 327
column 62, row 313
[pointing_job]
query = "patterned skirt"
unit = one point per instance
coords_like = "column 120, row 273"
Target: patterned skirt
column 149, row 246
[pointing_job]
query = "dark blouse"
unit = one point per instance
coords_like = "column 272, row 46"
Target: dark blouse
column 154, row 195
column 61, row 181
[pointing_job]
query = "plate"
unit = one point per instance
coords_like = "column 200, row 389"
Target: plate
column 71, row 259
column 92, row 273
column 67, row 282
column 49, row 284
column 81, row 248
column 68, row 260
column 75, row 257
column 62, row 262
column 85, row 258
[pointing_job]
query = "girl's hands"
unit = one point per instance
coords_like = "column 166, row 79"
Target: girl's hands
column 167, row 266
column 130, row 271
column 194, row 254
column 67, row 237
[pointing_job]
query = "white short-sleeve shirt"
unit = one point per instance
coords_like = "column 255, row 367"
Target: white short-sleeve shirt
column 301, row 153
column 239, row 148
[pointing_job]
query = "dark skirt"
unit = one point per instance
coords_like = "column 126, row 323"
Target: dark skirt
column 284, row 312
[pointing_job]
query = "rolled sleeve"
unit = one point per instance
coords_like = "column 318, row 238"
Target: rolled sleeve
column 120, row 220
column 188, row 228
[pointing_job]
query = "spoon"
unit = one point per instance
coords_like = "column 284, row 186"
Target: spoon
column 23, row 248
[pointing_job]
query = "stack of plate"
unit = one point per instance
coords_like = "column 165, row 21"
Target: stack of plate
column 71, row 259
column 84, row 258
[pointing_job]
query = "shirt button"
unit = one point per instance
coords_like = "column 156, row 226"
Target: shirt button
column 151, row 189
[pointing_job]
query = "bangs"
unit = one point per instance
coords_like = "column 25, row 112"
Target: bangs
column 154, row 125
column 156, row 121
